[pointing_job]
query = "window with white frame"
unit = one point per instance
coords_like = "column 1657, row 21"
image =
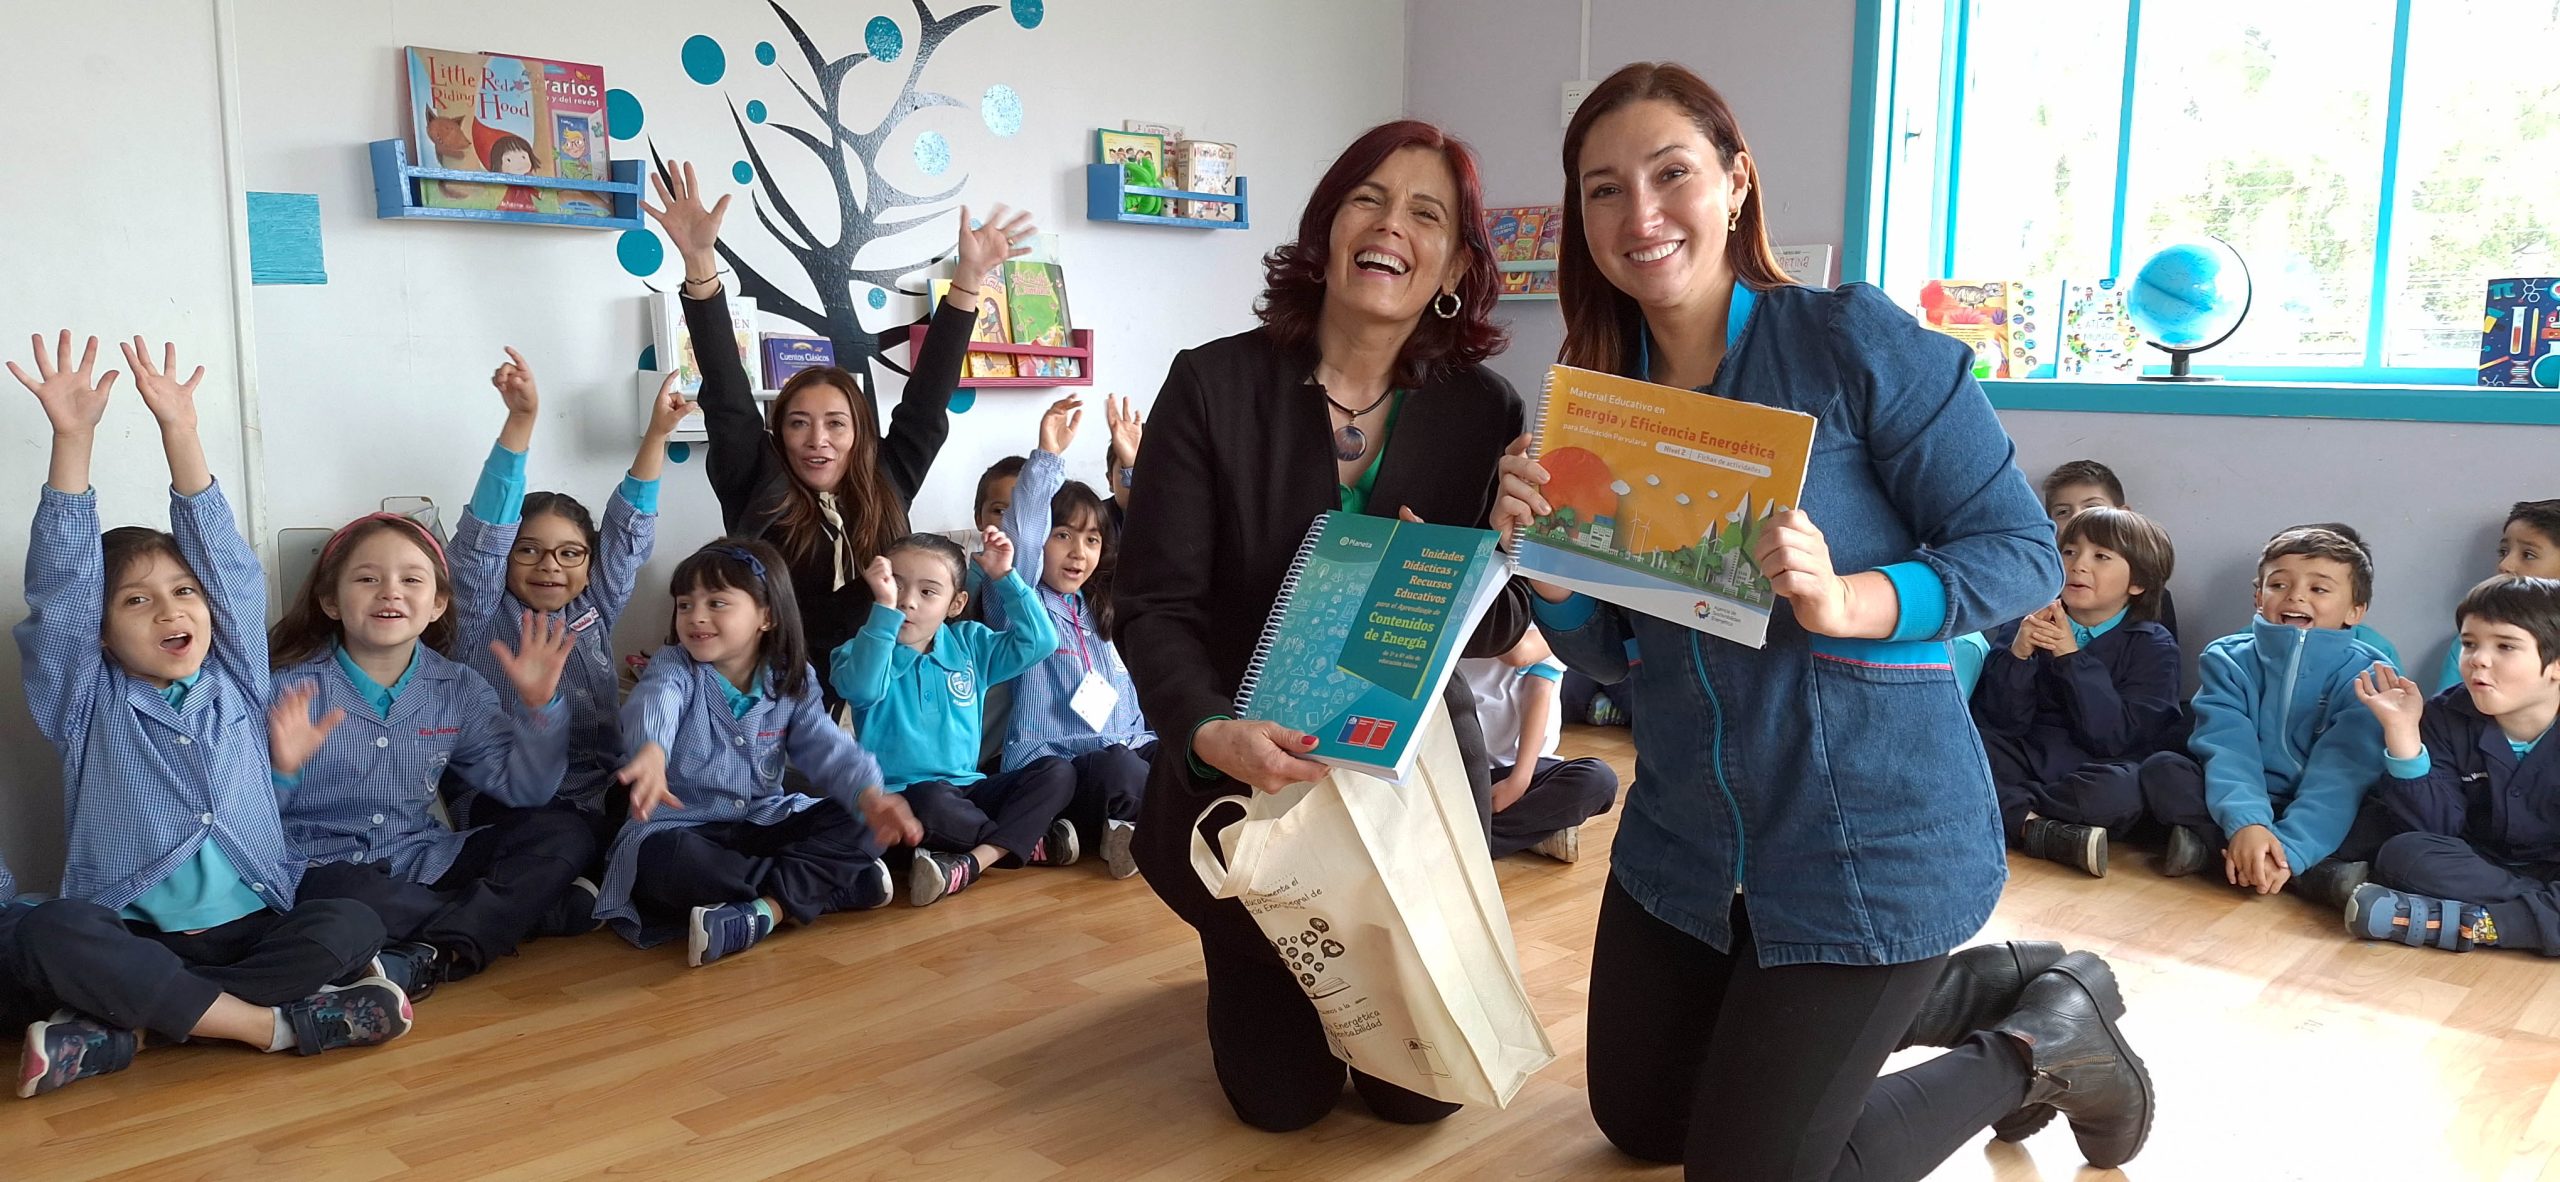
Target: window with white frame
column 2375, row 162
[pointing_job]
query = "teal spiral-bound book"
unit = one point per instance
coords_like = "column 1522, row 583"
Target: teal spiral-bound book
column 1365, row 632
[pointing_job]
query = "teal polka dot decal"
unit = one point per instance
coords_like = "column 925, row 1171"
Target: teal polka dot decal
column 622, row 113
column 1027, row 13
column 764, row 53
column 884, row 40
column 649, row 357
column 678, row 453
column 879, row 298
column 1002, row 109
column 641, row 252
column 963, row 398
column 743, row 172
column 703, row 61
column 755, row 111
column 933, row 153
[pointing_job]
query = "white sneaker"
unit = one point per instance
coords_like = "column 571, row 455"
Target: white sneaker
column 1563, row 845
column 1118, row 837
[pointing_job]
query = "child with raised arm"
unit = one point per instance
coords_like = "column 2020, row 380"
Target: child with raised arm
column 145, row 667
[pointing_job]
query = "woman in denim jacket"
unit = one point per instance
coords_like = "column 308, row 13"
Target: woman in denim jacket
column 1812, row 827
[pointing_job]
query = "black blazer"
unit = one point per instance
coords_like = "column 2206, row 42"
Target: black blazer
column 1238, row 462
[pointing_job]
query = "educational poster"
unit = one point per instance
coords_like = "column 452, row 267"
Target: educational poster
column 1659, row 494
column 2520, row 333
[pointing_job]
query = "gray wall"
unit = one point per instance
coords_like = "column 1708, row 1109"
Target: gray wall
column 1494, row 73
column 2427, row 497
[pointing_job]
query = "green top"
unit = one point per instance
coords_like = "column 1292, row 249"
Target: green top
column 1355, row 497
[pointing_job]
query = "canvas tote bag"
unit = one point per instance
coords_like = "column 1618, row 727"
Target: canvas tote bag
column 1382, row 900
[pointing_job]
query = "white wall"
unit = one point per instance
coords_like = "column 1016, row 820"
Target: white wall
column 113, row 199
column 376, row 384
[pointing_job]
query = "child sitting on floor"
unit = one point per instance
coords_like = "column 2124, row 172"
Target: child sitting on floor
column 1539, row 801
column 2529, row 544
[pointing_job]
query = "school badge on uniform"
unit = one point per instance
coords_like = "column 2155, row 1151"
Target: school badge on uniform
column 964, row 685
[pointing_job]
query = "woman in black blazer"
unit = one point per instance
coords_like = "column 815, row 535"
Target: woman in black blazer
column 1362, row 391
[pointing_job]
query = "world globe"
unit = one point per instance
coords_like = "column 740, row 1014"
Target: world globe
column 2189, row 298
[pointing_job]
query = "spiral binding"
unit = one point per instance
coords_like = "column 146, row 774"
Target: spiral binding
column 1537, row 444
column 1279, row 610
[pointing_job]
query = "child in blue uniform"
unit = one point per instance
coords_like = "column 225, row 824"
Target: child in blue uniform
column 2528, row 544
column 361, row 786
column 144, row 666
column 2074, row 697
column 1079, row 704
column 2472, row 788
column 915, row 678
column 716, row 847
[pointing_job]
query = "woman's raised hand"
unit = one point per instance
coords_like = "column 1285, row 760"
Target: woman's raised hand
column 984, row 246
column 693, row 228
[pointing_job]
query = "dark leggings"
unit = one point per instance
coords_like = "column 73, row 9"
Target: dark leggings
column 1273, row 1059
column 1748, row 1073
column 494, row 896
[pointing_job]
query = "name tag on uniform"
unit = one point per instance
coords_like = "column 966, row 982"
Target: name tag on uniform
column 584, row 622
column 1094, row 700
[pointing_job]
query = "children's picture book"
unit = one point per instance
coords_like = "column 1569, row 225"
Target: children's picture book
column 2099, row 341
column 1365, row 633
column 990, row 326
column 1975, row 311
column 579, row 138
column 1524, row 233
column 1142, row 157
column 2038, row 318
column 1036, row 308
column 1168, row 132
column 785, row 354
column 488, row 112
column 1204, row 166
column 1658, row 494
column 2520, row 333
column 676, row 343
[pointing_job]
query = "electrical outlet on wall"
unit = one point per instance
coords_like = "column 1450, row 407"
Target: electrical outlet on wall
column 1574, row 93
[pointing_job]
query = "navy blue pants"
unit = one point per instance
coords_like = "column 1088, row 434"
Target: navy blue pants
column 2173, row 793
column 2106, row 794
column 1110, row 785
column 1562, row 793
column 498, row 891
column 2524, row 901
column 74, row 953
column 811, row 862
column 1009, row 810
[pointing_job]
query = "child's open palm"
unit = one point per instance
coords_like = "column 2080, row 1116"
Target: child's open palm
column 1128, row 428
column 514, row 381
column 2392, row 697
column 1059, row 423
column 694, row 229
column 171, row 401
column 997, row 557
column 646, row 777
column 541, row 652
column 292, row 736
column 73, row 404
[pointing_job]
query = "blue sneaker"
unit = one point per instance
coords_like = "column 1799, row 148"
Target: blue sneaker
column 726, row 930
column 368, row 1013
column 416, row 968
column 67, row 1047
column 2377, row 912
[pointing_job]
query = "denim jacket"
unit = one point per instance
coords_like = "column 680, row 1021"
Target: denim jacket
column 1836, row 785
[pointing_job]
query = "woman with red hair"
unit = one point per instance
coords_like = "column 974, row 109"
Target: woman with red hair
column 1363, row 391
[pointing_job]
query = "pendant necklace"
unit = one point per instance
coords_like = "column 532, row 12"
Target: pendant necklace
column 1349, row 441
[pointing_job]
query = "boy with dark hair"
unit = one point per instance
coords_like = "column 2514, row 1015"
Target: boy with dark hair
column 2360, row 630
column 2081, row 484
column 2529, row 544
column 2478, row 861
column 2282, row 756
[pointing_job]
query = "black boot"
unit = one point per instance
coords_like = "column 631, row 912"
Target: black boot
column 2188, row 852
column 2332, row 882
column 1979, row 986
column 2080, row 847
column 2080, row 1062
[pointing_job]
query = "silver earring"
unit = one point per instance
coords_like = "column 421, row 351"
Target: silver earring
column 1450, row 312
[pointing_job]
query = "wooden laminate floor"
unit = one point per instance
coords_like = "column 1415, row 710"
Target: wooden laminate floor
column 1048, row 1025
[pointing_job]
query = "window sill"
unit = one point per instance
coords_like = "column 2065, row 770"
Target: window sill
column 2283, row 400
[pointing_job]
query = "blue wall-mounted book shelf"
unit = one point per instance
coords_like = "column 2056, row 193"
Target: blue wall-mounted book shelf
column 1107, row 188
column 396, row 180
